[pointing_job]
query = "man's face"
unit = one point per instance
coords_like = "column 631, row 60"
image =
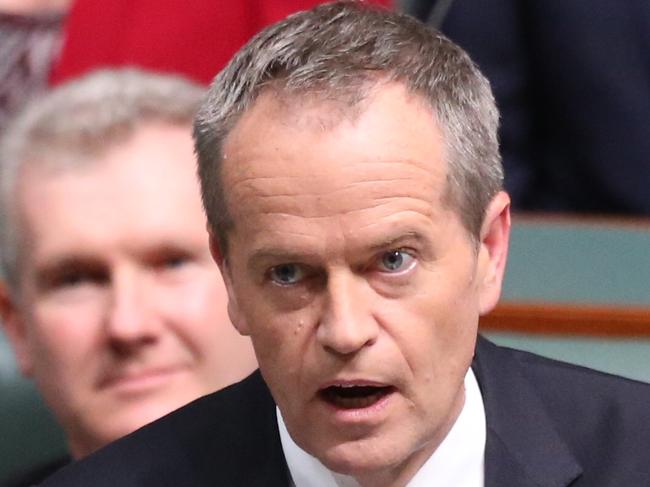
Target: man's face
column 120, row 316
column 360, row 289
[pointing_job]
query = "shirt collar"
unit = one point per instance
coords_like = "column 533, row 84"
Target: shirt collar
column 458, row 461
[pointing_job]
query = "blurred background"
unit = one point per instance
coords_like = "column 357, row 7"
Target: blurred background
column 572, row 81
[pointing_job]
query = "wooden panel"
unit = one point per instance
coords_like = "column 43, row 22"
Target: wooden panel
column 569, row 319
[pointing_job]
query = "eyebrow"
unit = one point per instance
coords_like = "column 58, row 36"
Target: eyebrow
column 156, row 253
column 73, row 260
column 398, row 241
column 48, row 272
column 275, row 253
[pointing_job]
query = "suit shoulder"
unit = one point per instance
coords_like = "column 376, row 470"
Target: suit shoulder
column 581, row 385
column 584, row 378
column 183, row 447
column 603, row 419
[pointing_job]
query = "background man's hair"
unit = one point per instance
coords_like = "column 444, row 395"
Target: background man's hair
column 78, row 122
column 338, row 52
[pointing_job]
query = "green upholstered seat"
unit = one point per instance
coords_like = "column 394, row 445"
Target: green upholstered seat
column 28, row 432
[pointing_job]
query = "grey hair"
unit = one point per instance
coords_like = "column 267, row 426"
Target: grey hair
column 78, row 122
column 335, row 51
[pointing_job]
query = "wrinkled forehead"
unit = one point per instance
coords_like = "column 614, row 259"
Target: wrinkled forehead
column 281, row 147
column 321, row 110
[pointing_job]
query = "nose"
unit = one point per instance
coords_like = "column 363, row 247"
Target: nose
column 130, row 322
column 347, row 324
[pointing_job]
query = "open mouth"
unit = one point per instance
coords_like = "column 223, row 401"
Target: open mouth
column 354, row 397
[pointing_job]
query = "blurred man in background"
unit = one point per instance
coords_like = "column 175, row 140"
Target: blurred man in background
column 109, row 296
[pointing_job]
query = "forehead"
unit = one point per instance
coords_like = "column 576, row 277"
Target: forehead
column 139, row 191
column 381, row 108
column 287, row 160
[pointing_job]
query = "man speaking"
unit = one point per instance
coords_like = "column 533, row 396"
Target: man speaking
column 350, row 172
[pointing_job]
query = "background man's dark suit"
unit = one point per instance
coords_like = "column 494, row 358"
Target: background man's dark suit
column 572, row 82
column 549, row 424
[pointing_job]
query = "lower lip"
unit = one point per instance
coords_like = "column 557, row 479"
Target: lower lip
column 368, row 415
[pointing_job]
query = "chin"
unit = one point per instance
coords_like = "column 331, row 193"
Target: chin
column 137, row 416
column 361, row 458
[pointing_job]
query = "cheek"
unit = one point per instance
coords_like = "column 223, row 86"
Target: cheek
column 283, row 342
column 435, row 331
column 65, row 346
column 66, row 330
column 279, row 336
column 197, row 323
column 196, row 307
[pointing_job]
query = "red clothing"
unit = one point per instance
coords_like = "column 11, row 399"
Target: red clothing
column 195, row 38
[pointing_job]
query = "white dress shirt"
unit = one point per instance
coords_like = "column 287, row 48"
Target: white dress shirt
column 457, row 462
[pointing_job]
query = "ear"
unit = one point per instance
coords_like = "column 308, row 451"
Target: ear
column 234, row 312
column 493, row 251
column 13, row 325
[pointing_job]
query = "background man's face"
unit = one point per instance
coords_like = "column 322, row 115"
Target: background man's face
column 122, row 312
column 360, row 289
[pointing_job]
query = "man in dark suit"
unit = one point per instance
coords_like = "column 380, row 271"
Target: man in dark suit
column 350, row 172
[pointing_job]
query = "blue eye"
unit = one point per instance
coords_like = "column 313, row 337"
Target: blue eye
column 287, row 274
column 396, row 261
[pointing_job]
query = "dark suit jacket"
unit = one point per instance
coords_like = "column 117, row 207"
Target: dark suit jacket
column 572, row 81
column 549, row 424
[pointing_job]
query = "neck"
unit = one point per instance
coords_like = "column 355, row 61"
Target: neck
column 400, row 475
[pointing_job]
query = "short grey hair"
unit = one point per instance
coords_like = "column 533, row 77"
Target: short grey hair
column 78, row 122
column 336, row 51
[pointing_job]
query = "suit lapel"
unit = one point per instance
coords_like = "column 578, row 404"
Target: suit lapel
column 523, row 447
column 267, row 465
column 265, row 460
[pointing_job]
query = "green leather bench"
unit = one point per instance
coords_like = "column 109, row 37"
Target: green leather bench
column 578, row 290
column 28, row 433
